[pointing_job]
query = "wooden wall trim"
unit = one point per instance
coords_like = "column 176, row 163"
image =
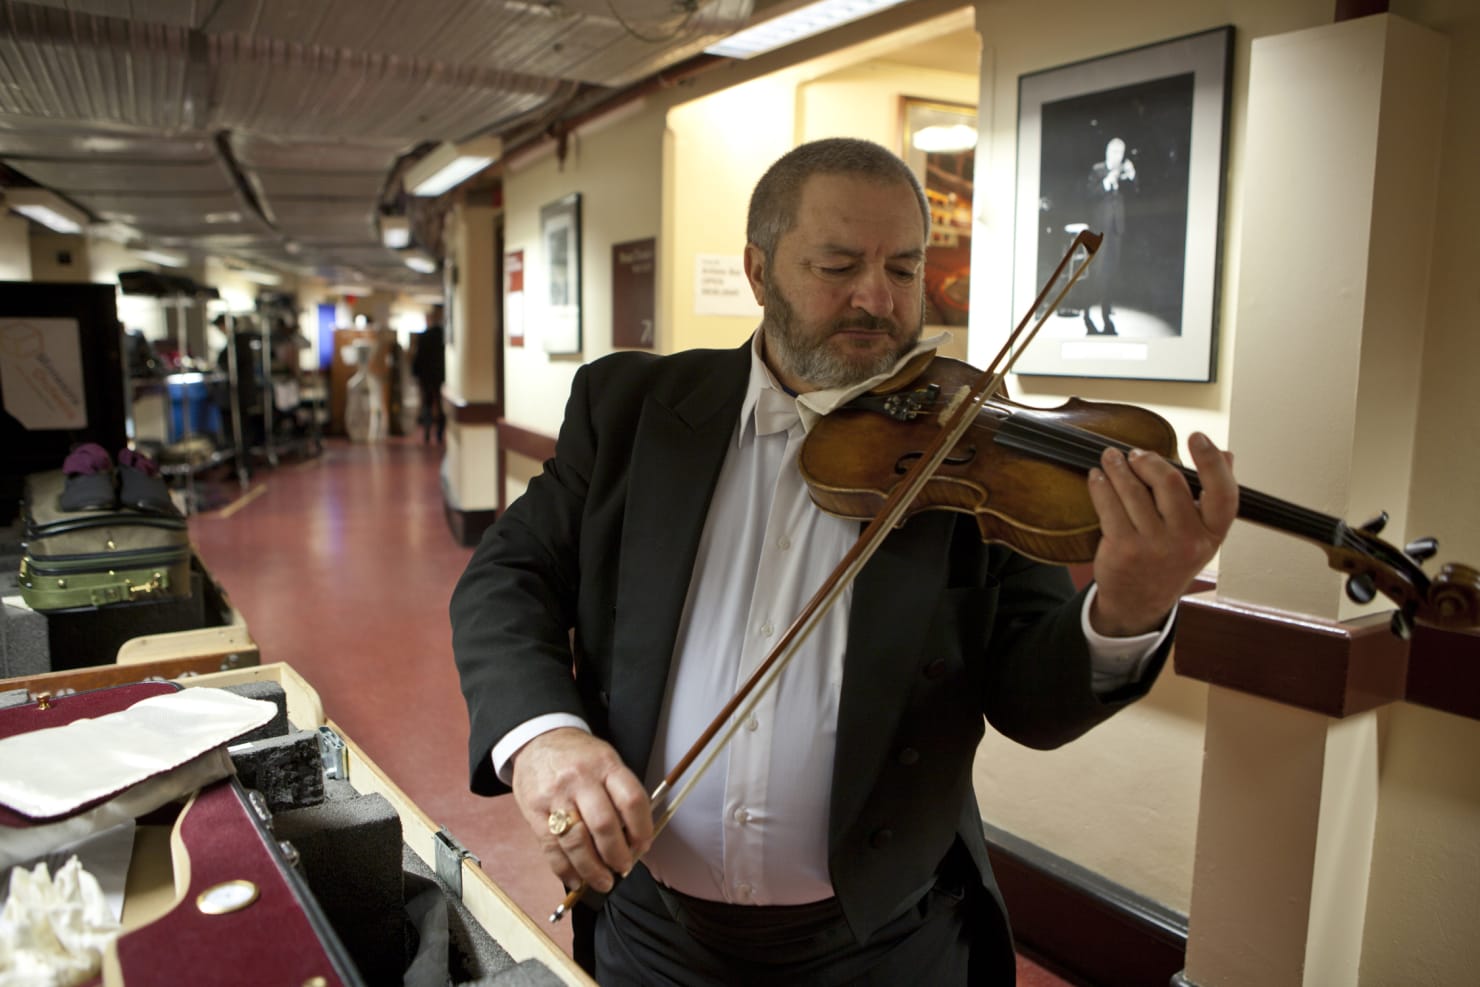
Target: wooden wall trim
column 1444, row 671
column 1081, row 925
column 534, row 445
column 512, row 438
column 1329, row 667
column 470, row 412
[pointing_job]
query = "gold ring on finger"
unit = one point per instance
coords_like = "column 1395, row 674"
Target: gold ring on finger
column 561, row 820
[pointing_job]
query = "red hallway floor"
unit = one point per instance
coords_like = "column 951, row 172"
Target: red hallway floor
column 343, row 566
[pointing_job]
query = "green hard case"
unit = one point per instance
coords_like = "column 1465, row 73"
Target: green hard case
column 97, row 558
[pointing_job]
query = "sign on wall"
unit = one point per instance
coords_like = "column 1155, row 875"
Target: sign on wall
column 634, row 292
column 514, row 297
column 720, row 287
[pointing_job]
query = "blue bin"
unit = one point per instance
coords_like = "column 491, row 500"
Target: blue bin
column 191, row 410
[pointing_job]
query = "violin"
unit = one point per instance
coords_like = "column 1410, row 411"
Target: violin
column 1021, row 472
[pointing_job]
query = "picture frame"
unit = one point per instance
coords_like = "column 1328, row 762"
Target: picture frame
column 938, row 141
column 1132, row 145
column 560, row 235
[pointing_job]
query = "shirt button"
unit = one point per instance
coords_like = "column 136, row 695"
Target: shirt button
column 743, row 891
column 742, row 815
column 752, row 724
column 881, row 837
column 767, row 630
column 908, row 756
column 783, row 543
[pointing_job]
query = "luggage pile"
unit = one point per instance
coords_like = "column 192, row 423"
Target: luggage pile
column 96, row 536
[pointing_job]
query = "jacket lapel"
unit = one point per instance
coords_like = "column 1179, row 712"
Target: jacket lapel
column 682, row 438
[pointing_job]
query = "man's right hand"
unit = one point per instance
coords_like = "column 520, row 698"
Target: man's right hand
column 568, row 769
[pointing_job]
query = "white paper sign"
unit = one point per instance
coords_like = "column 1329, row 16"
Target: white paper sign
column 720, row 287
column 41, row 373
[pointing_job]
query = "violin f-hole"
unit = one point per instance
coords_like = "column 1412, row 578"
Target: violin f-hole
column 902, row 464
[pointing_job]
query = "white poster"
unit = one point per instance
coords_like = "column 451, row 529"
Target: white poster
column 720, row 287
column 41, row 373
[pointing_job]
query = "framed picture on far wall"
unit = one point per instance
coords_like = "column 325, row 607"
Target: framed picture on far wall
column 940, row 145
column 1131, row 146
column 560, row 234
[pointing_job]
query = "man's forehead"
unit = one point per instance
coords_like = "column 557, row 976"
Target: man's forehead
column 837, row 210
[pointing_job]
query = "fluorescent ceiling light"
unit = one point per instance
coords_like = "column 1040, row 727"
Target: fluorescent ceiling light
column 46, row 208
column 796, row 25
column 395, row 231
column 356, row 290
column 449, row 165
column 259, row 277
column 944, row 139
column 419, row 262
column 162, row 257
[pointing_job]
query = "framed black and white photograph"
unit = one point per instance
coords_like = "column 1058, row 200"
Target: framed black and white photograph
column 560, row 232
column 1131, row 146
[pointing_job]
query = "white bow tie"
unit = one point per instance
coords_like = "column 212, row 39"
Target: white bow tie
column 775, row 411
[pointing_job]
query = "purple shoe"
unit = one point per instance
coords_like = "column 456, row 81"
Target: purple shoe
column 89, row 480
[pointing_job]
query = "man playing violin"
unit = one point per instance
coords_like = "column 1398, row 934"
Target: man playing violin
column 665, row 547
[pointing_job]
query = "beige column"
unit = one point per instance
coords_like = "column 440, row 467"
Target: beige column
column 471, row 466
column 1338, row 163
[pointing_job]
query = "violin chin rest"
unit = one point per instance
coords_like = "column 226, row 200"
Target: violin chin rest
column 906, row 374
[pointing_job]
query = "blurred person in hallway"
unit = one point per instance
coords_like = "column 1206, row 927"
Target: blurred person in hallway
column 429, row 367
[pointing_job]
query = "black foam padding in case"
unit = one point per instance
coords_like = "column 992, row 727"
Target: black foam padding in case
column 287, row 770
column 349, row 850
column 25, row 647
column 473, row 954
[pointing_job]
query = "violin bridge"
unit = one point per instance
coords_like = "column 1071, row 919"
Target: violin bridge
column 959, row 395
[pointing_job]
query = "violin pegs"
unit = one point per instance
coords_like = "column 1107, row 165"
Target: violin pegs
column 1361, row 589
column 1400, row 626
column 1375, row 525
column 1422, row 548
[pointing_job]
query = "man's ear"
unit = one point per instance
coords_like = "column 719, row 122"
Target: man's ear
column 755, row 272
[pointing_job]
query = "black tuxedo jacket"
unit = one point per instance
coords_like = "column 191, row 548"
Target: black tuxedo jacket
column 590, row 568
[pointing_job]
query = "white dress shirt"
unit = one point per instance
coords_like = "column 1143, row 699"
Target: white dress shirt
column 753, row 830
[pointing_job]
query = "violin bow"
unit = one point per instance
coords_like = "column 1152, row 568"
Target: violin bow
column 961, row 412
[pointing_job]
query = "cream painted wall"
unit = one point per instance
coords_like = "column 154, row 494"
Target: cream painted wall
column 1425, row 882
column 720, row 145
column 1123, row 800
column 1447, row 447
column 60, row 257
column 618, row 171
column 470, row 466
column 15, row 247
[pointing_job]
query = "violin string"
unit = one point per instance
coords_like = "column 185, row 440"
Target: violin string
column 1081, row 449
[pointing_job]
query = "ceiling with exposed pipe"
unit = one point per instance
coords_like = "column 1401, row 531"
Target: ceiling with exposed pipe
column 276, row 132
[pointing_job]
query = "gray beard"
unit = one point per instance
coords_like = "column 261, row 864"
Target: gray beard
column 811, row 360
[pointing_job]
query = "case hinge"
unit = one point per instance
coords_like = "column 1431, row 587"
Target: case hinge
column 450, row 855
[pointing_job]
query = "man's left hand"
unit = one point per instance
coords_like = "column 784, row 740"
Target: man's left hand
column 1155, row 536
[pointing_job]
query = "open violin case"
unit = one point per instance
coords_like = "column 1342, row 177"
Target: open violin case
column 282, row 856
